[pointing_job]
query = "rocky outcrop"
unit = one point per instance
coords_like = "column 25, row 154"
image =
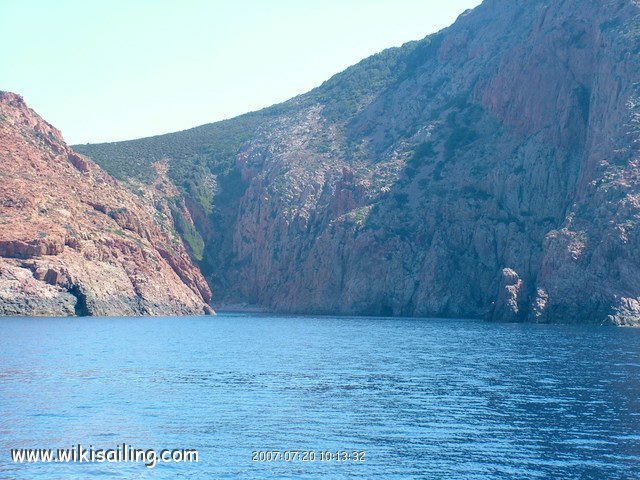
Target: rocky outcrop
column 73, row 241
column 32, row 248
column 511, row 304
column 490, row 169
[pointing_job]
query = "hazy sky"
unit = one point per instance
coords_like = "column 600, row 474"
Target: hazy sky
column 122, row 69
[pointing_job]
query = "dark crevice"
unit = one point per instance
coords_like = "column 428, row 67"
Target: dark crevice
column 80, row 307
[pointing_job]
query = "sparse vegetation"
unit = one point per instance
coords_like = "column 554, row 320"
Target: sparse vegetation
column 188, row 232
column 423, row 152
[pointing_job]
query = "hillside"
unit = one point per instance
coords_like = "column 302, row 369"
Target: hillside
column 490, row 169
column 75, row 242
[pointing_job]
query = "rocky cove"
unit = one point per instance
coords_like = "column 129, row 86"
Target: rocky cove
column 489, row 170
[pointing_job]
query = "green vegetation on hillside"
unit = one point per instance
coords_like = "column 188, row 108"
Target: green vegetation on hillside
column 188, row 232
column 211, row 146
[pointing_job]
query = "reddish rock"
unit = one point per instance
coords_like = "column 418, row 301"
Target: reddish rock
column 73, row 241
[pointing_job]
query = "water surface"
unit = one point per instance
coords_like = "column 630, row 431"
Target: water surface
column 424, row 398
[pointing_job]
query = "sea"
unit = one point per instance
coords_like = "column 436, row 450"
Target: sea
column 260, row 396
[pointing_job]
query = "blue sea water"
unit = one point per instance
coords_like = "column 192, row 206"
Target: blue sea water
column 423, row 398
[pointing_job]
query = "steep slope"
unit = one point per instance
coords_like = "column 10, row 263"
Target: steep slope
column 487, row 170
column 73, row 241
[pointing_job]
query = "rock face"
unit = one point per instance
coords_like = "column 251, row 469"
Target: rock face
column 490, row 169
column 73, row 241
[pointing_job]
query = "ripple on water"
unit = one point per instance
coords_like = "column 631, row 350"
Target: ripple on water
column 451, row 399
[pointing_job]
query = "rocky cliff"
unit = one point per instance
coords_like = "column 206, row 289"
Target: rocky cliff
column 73, row 241
column 490, row 169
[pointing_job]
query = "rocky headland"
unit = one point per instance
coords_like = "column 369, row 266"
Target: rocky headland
column 75, row 242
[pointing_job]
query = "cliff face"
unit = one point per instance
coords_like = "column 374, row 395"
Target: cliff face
column 73, row 241
column 489, row 170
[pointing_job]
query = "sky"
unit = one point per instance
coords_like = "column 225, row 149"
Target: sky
column 121, row 69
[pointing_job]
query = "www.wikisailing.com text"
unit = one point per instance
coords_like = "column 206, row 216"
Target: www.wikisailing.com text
column 121, row 454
